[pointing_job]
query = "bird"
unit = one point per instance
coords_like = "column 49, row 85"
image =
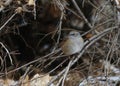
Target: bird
column 72, row 44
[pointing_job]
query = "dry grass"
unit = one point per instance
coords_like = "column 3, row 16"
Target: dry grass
column 31, row 32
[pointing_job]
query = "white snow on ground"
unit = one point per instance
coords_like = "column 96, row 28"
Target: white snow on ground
column 110, row 81
column 102, row 80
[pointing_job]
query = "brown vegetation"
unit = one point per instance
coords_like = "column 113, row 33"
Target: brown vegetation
column 31, row 32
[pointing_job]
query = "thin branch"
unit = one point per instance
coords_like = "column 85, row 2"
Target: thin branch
column 7, row 52
column 7, row 21
column 23, row 77
column 87, row 45
column 67, row 70
column 81, row 13
column 34, row 10
column 29, row 63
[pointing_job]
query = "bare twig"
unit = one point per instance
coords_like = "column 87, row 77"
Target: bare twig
column 7, row 21
column 81, row 13
column 7, row 52
column 39, row 59
column 34, row 10
column 62, row 8
column 1, row 60
column 23, row 77
column 73, row 12
column 87, row 45
column 67, row 70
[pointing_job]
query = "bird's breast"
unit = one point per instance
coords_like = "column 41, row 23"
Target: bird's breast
column 72, row 46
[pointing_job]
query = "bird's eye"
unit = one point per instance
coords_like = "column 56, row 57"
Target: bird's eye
column 73, row 34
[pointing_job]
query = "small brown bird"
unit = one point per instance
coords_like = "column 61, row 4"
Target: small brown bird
column 73, row 43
